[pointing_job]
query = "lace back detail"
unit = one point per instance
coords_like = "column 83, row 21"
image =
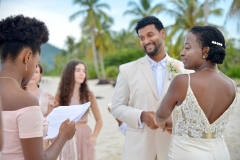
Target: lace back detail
column 191, row 122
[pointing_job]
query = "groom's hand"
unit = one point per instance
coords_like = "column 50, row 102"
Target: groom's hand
column 148, row 118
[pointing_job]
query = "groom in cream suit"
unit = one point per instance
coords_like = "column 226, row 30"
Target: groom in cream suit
column 140, row 87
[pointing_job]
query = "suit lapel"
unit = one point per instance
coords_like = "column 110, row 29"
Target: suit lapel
column 148, row 73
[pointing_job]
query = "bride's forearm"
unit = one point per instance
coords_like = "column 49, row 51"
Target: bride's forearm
column 161, row 122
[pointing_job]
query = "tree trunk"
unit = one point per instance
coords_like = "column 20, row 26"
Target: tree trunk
column 102, row 67
column 94, row 53
column 206, row 11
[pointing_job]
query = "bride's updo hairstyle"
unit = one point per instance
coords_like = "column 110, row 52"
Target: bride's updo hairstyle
column 18, row 32
column 209, row 36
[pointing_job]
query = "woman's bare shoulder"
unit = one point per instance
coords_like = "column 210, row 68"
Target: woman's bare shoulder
column 180, row 80
column 31, row 99
column 18, row 99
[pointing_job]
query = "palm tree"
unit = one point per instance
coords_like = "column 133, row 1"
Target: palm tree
column 187, row 13
column 234, row 12
column 142, row 10
column 92, row 11
column 70, row 43
column 104, row 43
column 125, row 39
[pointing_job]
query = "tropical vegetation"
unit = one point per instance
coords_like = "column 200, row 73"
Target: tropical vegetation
column 103, row 49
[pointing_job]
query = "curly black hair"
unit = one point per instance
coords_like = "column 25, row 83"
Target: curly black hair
column 205, row 36
column 17, row 32
column 147, row 21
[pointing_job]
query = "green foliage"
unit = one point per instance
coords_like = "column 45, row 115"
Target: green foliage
column 90, row 68
column 143, row 9
column 125, row 39
column 112, row 62
column 231, row 64
column 234, row 71
column 96, row 24
column 112, row 72
column 187, row 13
column 120, row 47
column 123, row 56
column 60, row 62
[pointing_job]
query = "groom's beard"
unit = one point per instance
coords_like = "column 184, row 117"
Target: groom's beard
column 155, row 50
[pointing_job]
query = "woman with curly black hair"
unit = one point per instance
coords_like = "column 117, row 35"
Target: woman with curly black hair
column 201, row 102
column 23, row 123
column 73, row 89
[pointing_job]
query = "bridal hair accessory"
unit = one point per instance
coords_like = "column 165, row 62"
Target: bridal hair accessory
column 173, row 68
column 214, row 42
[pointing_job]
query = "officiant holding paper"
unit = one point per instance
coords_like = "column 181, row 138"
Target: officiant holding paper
column 73, row 90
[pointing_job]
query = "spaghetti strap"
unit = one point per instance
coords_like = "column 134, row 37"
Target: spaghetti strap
column 235, row 86
column 188, row 80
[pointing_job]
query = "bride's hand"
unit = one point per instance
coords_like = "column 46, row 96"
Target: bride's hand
column 168, row 125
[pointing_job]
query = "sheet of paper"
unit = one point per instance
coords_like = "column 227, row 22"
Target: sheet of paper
column 60, row 114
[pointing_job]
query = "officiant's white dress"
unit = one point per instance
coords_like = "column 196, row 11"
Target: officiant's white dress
column 194, row 138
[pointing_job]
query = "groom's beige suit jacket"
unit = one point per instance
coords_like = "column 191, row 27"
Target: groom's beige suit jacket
column 136, row 91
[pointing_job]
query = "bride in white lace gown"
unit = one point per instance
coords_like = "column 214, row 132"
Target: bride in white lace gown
column 201, row 102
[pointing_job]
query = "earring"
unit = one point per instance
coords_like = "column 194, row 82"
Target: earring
column 203, row 57
column 26, row 67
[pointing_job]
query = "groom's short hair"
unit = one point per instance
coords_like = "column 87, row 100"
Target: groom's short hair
column 147, row 21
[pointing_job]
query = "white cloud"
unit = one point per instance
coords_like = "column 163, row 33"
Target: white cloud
column 55, row 16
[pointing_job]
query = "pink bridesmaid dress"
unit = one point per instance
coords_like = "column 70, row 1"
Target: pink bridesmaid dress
column 84, row 150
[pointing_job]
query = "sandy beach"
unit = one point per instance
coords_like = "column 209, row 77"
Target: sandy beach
column 110, row 141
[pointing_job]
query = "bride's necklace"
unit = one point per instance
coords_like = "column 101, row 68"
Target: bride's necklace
column 211, row 70
column 9, row 78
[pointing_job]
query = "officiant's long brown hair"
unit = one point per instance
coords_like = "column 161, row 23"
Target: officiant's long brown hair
column 66, row 85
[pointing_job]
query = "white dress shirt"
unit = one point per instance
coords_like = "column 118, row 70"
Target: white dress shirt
column 123, row 128
column 159, row 73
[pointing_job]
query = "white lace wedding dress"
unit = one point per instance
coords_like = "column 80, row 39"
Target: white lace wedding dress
column 193, row 137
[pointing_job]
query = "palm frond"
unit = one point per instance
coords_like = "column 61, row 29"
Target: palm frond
column 103, row 5
column 216, row 12
column 133, row 23
column 146, row 4
column 75, row 15
column 157, row 9
column 131, row 12
column 234, row 10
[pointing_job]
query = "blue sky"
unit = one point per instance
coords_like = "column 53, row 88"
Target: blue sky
column 56, row 13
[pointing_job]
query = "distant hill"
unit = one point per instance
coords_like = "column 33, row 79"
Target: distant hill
column 48, row 52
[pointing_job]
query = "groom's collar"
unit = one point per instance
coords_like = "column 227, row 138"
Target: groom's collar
column 163, row 62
